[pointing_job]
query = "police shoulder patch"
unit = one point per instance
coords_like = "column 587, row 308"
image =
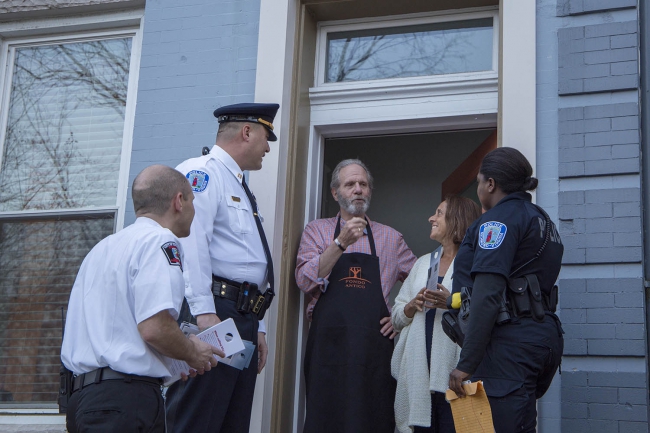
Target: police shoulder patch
column 491, row 235
column 173, row 254
column 198, row 180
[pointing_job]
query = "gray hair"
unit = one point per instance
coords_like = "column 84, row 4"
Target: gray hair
column 336, row 181
column 155, row 187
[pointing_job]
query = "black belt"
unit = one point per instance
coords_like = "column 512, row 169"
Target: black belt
column 107, row 373
column 225, row 288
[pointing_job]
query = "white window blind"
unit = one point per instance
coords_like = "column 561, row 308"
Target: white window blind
column 64, row 128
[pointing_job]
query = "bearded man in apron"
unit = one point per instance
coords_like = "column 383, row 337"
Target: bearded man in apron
column 347, row 266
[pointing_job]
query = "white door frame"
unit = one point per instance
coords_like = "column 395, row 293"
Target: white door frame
column 473, row 119
column 276, row 65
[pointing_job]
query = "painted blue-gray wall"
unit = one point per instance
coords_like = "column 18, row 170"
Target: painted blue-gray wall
column 589, row 167
column 197, row 55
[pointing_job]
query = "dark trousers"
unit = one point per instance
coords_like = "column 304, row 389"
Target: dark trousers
column 116, row 406
column 221, row 400
column 442, row 421
column 517, row 369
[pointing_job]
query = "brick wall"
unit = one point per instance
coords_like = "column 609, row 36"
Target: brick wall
column 598, row 58
column 599, row 140
column 604, row 402
column 601, row 225
column 197, row 55
column 575, row 7
column 599, row 207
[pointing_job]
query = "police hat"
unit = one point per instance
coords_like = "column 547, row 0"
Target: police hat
column 249, row 112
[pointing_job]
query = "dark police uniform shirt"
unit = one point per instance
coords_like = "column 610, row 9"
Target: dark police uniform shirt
column 506, row 237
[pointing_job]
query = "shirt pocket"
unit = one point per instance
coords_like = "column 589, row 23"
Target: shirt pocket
column 239, row 216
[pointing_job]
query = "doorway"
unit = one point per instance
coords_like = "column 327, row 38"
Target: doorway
column 409, row 171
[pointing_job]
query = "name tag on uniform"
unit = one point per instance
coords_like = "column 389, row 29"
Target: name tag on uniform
column 237, row 199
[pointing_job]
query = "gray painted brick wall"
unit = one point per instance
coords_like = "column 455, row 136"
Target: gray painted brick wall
column 598, row 58
column 197, row 55
column 604, row 402
column 601, row 226
column 599, row 140
column 575, row 7
column 603, row 316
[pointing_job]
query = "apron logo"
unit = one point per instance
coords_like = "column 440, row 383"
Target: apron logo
column 354, row 280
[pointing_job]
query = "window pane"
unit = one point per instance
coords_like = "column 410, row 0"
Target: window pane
column 65, row 121
column 39, row 262
column 410, row 51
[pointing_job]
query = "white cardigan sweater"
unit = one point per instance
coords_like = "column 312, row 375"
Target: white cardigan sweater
column 409, row 362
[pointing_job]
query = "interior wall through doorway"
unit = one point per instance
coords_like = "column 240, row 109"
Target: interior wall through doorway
column 408, row 171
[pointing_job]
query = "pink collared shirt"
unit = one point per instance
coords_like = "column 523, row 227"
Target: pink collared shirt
column 395, row 257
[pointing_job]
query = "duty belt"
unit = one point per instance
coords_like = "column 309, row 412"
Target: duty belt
column 107, row 373
column 247, row 297
column 225, row 288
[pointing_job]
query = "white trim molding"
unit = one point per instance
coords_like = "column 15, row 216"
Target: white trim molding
column 400, row 88
column 517, row 111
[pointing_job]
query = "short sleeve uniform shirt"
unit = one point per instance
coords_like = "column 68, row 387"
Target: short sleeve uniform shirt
column 505, row 238
column 125, row 279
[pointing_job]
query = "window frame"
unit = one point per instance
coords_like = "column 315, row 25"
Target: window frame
column 7, row 57
column 48, row 31
column 324, row 28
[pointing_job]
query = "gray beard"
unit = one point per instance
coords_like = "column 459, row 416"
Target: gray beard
column 351, row 208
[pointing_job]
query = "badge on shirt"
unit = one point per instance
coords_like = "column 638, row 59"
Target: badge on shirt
column 172, row 253
column 491, row 235
column 198, row 180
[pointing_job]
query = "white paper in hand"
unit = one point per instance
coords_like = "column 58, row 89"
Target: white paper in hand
column 223, row 335
column 432, row 282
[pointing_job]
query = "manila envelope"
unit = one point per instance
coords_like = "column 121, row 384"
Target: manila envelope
column 472, row 413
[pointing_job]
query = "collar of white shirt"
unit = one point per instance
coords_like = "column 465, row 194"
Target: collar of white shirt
column 227, row 160
column 146, row 220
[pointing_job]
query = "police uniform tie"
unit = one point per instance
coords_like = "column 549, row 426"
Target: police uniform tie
column 260, row 229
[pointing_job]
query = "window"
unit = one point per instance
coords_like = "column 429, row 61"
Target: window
column 64, row 135
column 410, row 51
column 440, row 47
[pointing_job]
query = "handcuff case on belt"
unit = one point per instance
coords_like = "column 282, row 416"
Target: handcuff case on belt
column 261, row 303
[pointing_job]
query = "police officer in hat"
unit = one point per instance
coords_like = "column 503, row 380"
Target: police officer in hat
column 229, row 268
column 513, row 249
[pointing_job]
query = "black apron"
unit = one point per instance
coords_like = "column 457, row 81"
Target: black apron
column 349, row 387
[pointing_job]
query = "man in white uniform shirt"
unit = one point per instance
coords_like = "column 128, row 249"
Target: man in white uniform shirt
column 227, row 257
column 122, row 314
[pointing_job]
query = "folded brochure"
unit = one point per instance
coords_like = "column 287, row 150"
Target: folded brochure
column 223, row 335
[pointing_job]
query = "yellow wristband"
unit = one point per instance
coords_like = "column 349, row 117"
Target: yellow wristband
column 455, row 301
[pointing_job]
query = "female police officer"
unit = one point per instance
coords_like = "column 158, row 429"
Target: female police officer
column 513, row 247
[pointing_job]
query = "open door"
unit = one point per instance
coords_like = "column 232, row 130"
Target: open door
column 463, row 178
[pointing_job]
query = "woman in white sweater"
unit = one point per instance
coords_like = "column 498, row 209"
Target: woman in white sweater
column 424, row 355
